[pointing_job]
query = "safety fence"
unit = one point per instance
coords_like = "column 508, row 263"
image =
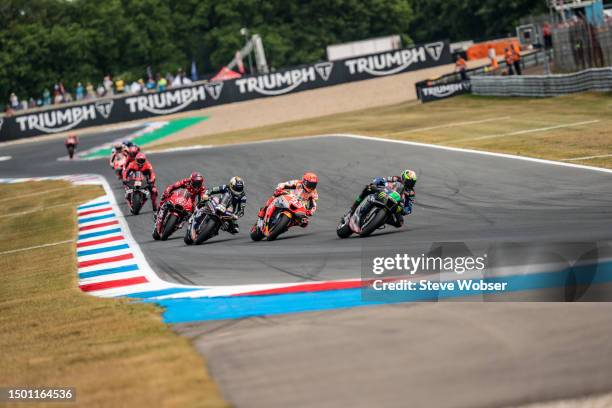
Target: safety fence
column 454, row 84
column 594, row 79
column 579, row 45
column 207, row 94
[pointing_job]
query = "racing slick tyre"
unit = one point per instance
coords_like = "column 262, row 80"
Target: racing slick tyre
column 280, row 227
column 374, row 223
column 70, row 151
column 343, row 229
column 256, row 234
column 187, row 237
column 169, row 227
column 136, row 204
column 206, row 230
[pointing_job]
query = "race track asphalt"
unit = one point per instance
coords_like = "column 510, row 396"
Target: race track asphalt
column 318, row 359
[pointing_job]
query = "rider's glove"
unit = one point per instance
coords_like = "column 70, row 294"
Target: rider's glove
column 308, row 213
column 234, row 217
column 278, row 191
column 205, row 197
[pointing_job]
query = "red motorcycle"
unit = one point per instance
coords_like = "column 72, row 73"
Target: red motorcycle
column 136, row 191
column 288, row 211
column 173, row 214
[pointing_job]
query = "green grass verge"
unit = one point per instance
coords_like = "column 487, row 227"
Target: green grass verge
column 451, row 122
column 114, row 352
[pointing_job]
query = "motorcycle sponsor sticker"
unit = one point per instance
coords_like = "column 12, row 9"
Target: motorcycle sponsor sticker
column 278, row 83
column 61, row 120
column 171, row 101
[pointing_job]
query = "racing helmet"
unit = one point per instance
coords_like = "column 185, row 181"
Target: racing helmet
column 196, row 180
column 409, row 178
column 127, row 143
column 117, row 147
column 236, row 186
column 379, row 181
column 133, row 151
column 309, row 181
column 141, row 159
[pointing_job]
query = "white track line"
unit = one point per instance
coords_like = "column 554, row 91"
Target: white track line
column 36, row 247
column 449, row 125
column 481, row 152
column 38, row 209
column 523, row 132
column 589, row 157
column 5, row 158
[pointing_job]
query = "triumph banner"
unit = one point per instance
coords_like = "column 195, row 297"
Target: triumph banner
column 203, row 95
column 434, row 92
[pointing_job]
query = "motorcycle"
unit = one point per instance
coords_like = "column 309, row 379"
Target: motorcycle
column 118, row 165
column 288, row 212
column 212, row 216
column 172, row 214
column 136, row 192
column 371, row 214
column 71, row 149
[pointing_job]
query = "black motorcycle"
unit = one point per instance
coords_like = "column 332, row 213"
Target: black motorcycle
column 371, row 214
column 210, row 217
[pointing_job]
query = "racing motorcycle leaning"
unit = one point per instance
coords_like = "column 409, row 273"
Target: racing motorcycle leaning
column 172, row 214
column 371, row 214
column 287, row 211
column 209, row 218
column 136, row 191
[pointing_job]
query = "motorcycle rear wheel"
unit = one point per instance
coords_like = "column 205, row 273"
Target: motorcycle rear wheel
column 206, row 230
column 136, row 203
column 375, row 223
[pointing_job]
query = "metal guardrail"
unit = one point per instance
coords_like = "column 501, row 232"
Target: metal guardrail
column 594, row 79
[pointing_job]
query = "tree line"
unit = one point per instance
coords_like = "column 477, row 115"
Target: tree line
column 46, row 41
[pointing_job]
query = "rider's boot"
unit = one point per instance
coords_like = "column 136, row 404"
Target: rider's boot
column 232, row 227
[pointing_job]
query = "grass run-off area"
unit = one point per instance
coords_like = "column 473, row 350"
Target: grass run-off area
column 115, row 353
column 561, row 128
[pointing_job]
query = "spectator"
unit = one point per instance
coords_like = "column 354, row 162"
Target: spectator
column 135, row 87
column 31, row 103
column 461, row 66
column 169, row 79
column 67, row 97
column 101, row 91
column 547, row 36
column 57, row 97
column 79, row 92
column 39, row 102
column 180, row 79
column 14, row 101
column 516, row 58
column 107, row 83
column 161, row 83
column 46, row 97
column 24, row 104
column 120, row 85
column 90, row 91
column 151, row 84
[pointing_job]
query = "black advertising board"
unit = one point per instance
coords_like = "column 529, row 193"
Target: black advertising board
column 203, row 95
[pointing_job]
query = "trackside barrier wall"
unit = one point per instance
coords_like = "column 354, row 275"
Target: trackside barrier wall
column 594, row 79
column 202, row 95
column 450, row 85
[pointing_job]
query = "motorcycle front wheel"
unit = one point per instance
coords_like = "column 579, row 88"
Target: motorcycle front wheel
column 207, row 228
column 374, row 223
column 169, row 227
column 280, row 227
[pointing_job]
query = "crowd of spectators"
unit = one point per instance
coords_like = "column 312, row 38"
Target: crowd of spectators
column 108, row 87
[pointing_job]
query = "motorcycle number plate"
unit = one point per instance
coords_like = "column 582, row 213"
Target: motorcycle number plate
column 138, row 183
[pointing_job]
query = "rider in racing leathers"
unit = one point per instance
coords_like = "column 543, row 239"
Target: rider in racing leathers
column 407, row 179
column 115, row 153
column 71, row 142
column 143, row 165
column 236, row 189
column 305, row 189
column 194, row 184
